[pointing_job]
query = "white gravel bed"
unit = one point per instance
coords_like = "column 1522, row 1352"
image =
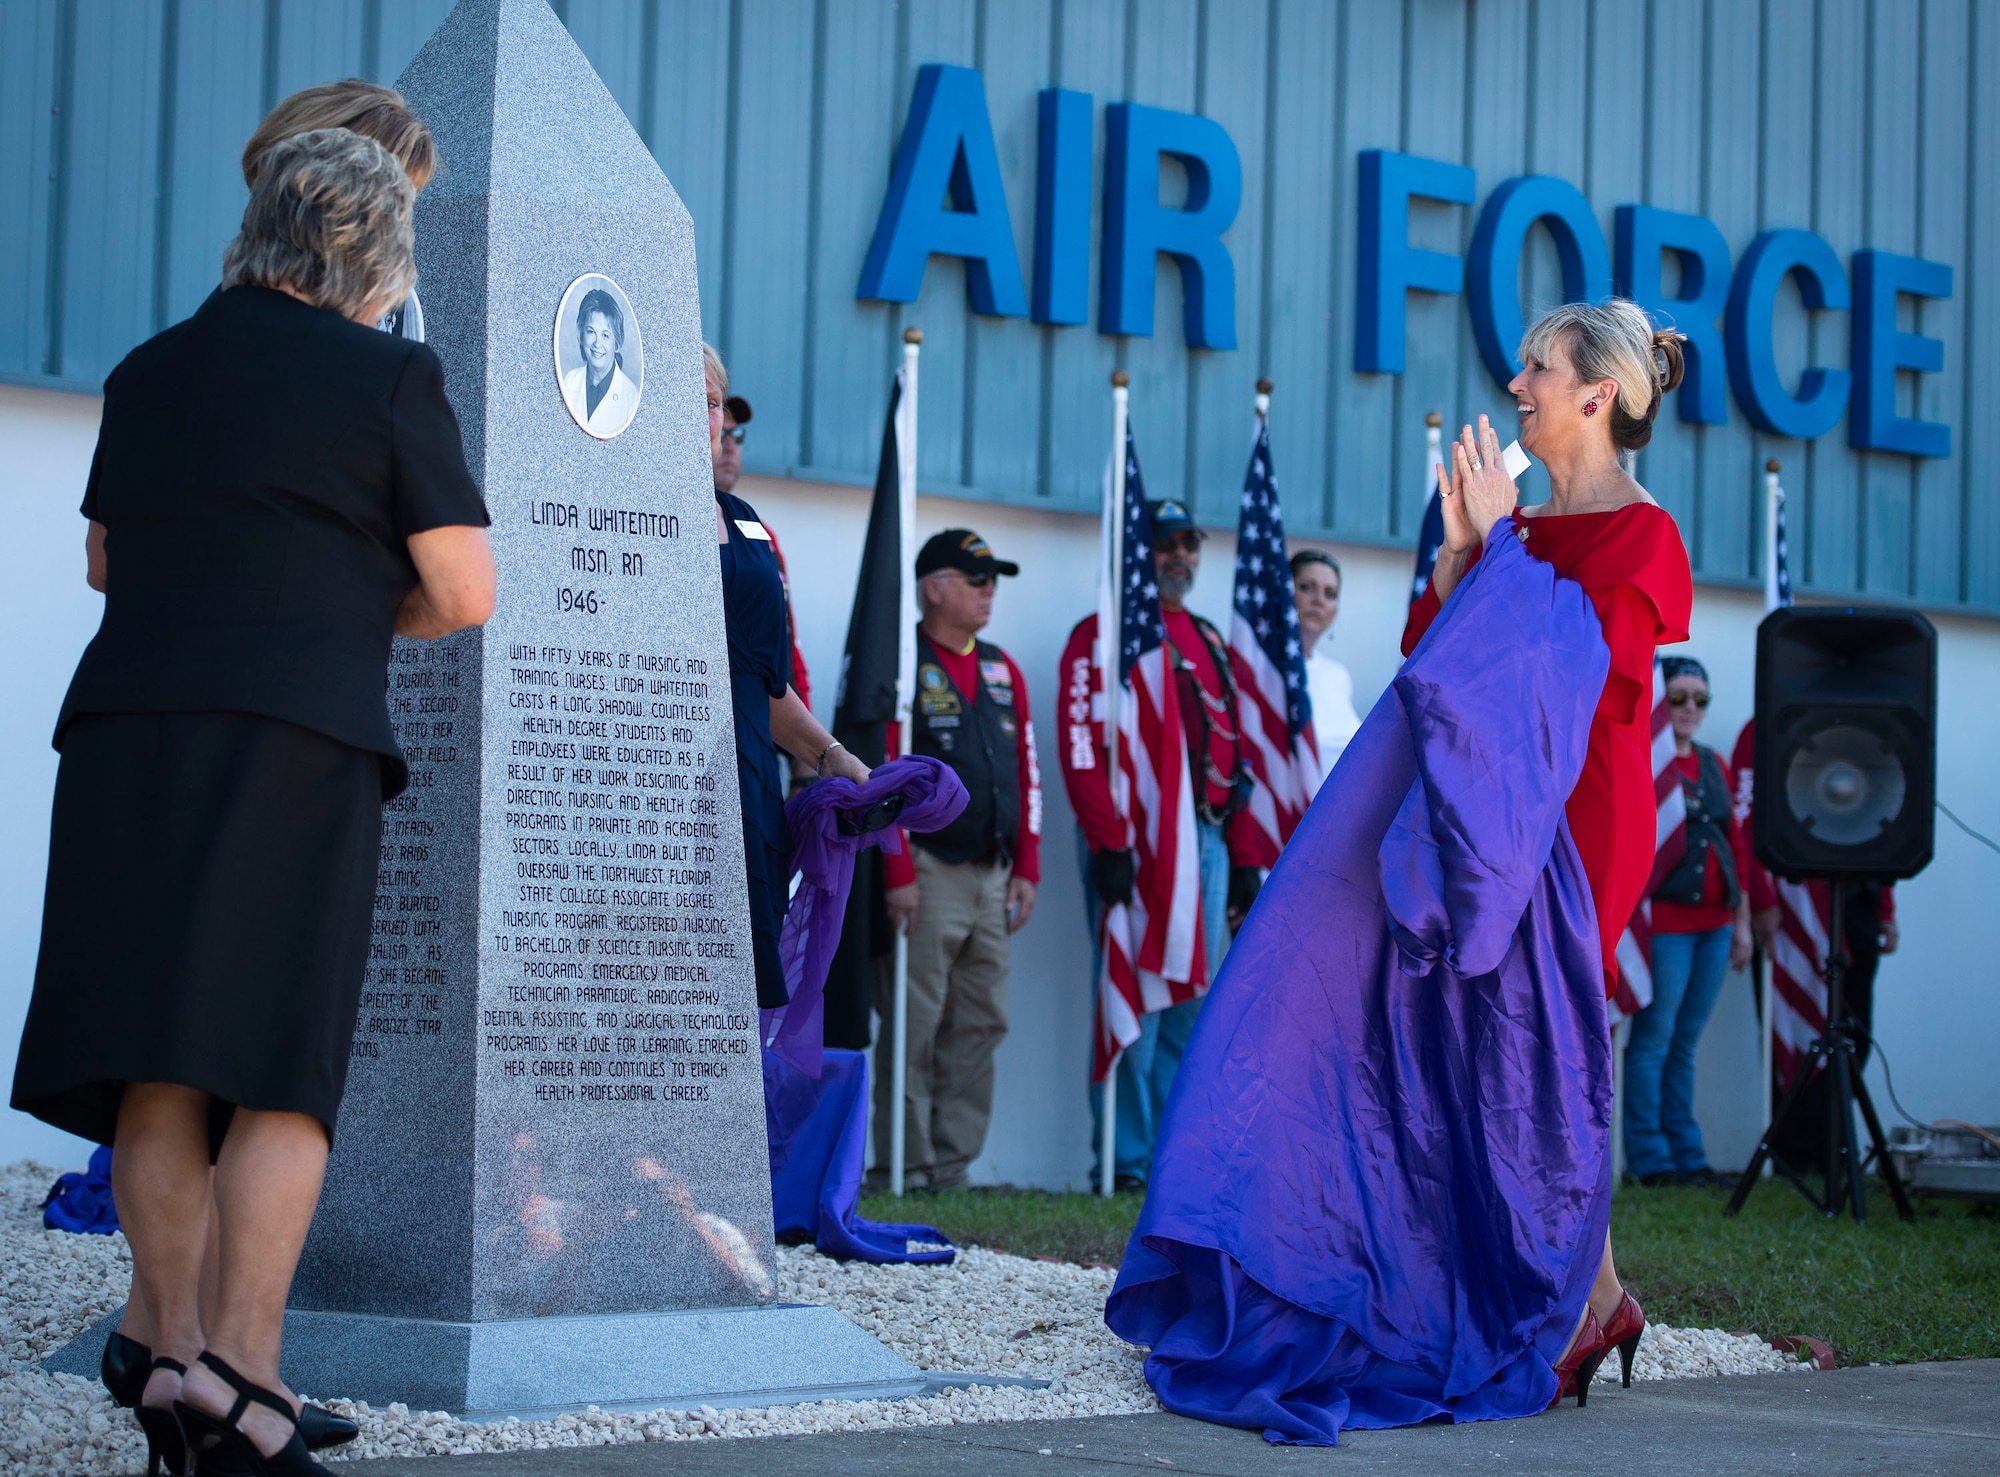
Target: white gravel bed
column 989, row 1313
column 1690, row 1353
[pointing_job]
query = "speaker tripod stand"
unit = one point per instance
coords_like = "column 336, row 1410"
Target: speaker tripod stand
column 1833, row 1051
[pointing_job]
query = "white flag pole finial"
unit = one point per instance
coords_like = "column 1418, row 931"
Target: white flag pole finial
column 1774, row 500
column 906, row 683
column 1263, row 399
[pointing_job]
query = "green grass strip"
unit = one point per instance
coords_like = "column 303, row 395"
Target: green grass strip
column 1879, row 1292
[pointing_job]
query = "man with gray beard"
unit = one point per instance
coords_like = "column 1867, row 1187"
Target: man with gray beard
column 1209, row 705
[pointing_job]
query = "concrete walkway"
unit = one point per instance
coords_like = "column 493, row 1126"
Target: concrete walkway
column 1917, row 1418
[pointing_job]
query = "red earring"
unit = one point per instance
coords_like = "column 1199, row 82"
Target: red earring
column 1590, row 408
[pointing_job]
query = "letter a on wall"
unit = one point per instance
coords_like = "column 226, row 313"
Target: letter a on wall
column 947, row 147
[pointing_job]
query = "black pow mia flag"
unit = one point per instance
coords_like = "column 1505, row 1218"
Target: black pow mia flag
column 864, row 711
column 866, row 705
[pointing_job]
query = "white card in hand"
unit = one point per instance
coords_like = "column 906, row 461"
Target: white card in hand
column 1514, row 460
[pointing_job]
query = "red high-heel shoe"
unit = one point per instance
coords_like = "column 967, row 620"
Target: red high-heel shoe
column 1576, row 1369
column 1622, row 1333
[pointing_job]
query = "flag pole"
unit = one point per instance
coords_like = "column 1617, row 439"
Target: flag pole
column 906, row 472
column 1111, row 645
column 1774, row 497
column 1618, row 1034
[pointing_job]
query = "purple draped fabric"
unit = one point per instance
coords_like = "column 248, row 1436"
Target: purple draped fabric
column 823, row 858
column 81, row 1201
column 1383, row 1179
column 818, row 1131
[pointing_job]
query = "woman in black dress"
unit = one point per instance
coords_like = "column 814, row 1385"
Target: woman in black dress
column 277, row 488
column 769, row 714
column 381, row 114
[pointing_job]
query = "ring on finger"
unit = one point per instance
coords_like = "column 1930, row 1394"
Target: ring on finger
column 1477, row 464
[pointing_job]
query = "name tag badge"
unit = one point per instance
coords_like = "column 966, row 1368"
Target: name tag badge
column 753, row 529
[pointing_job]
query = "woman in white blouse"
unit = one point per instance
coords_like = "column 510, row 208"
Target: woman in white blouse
column 1316, row 588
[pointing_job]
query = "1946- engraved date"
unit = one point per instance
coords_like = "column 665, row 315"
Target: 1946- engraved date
column 579, row 602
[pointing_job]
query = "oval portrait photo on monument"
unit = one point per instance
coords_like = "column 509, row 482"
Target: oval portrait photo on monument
column 600, row 364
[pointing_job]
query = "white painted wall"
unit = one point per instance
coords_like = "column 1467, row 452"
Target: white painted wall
column 1937, row 1013
column 47, row 616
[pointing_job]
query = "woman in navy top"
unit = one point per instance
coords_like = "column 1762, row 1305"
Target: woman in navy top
column 769, row 714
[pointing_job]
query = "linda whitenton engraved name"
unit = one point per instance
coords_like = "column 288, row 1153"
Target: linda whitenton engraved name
column 635, row 521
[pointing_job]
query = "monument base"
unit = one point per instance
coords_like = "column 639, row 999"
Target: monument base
column 535, row 1367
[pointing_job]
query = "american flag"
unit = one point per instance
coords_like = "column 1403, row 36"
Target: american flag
column 1270, row 663
column 1798, row 954
column 1431, row 538
column 1152, row 947
column 1635, row 947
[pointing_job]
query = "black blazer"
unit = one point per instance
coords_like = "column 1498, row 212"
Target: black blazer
column 258, row 470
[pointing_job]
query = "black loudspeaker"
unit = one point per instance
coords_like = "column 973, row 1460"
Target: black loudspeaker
column 1846, row 742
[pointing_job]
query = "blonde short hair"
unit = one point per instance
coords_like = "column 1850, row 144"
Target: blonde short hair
column 711, row 364
column 330, row 219
column 359, row 107
column 1614, row 340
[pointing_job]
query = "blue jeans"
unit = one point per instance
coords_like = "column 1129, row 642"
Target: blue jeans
column 1661, row 1135
column 1147, row 1067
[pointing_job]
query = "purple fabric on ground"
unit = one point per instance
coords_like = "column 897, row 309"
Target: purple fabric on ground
column 818, row 1131
column 1383, row 1179
column 824, row 859
column 82, row 1201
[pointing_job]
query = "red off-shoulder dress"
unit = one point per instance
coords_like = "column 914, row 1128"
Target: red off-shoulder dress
column 1633, row 566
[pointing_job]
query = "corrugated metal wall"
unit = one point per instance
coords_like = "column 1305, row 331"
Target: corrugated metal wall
column 1872, row 122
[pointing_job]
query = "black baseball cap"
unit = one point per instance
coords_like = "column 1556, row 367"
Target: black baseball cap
column 1171, row 517
column 962, row 549
column 738, row 408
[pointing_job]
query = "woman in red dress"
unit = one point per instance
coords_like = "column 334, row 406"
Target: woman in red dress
column 1593, row 382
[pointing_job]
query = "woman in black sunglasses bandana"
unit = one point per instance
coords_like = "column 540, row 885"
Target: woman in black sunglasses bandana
column 1701, row 931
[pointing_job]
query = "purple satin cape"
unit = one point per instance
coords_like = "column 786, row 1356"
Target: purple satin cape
column 816, row 1101
column 823, row 859
column 818, row 1129
column 1383, row 1178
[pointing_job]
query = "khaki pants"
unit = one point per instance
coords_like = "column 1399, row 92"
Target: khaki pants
column 958, row 1018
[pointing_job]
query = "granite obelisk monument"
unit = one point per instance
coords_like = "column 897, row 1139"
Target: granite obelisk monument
column 549, row 1184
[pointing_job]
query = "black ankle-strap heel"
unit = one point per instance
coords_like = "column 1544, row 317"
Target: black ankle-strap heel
column 166, row 1445
column 126, row 1366
column 220, row 1449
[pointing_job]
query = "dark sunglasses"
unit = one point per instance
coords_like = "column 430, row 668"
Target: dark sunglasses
column 735, row 433
column 977, row 581
column 1682, row 699
column 1183, row 543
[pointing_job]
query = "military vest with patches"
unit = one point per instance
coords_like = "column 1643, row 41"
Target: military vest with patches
column 981, row 742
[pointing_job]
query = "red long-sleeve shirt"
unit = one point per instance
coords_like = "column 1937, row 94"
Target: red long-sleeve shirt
column 963, row 668
column 1085, row 755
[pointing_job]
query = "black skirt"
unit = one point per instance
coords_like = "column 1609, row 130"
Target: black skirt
column 211, row 887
